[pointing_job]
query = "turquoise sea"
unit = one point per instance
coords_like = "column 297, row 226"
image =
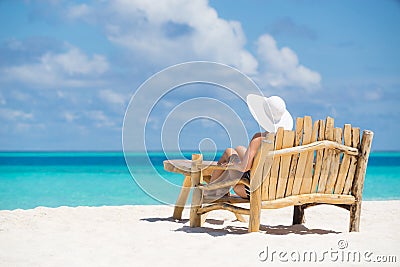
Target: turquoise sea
column 53, row 179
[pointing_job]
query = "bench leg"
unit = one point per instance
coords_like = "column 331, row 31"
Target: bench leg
column 182, row 198
column 255, row 210
column 197, row 196
column 298, row 215
column 355, row 213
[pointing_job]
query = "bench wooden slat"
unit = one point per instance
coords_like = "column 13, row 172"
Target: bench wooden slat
column 288, row 141
column 266, row 173
column 308, row 198
column 344, row 166
column 319, row 157
column 330, row 184
column 275, row 165
column 262, row 160
column 326, row 164
column 308, row 179
column 295, row 157
column 265, row 184
column 301, row 164
column 289, row 201
column 355, row 142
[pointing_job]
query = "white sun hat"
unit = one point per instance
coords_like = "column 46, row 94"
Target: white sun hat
column 270, row 112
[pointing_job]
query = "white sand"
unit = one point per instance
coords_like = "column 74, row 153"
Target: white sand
column 144, row 235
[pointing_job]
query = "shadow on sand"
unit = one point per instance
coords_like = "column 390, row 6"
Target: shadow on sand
column 298, row 229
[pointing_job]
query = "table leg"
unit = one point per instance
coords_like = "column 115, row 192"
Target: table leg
column 182, row 198
column 197, row 195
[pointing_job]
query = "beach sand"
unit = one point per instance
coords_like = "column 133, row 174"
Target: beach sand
column 147, row 236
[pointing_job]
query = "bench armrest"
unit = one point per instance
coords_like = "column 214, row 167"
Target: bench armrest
column 315, row 146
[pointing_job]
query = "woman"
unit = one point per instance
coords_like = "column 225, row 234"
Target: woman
column 270, row 113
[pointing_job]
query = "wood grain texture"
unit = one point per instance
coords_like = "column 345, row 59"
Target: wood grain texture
column 273, row 180
column 308, row 198
column 182, row 198
column 355, row 142
column 344, row 166
column 357, row 187
column 195, row 219
column 295, row 157
column 319, row 157
column 288, row 140
column 326, row 164
column 184, row 166
column 330, row 183
column 223, row 206
column 256, row 180
column 301, row 164
column 308, row 179
column 266, row 171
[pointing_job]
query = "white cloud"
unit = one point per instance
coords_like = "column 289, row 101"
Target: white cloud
column 170, row 32
column 373, row 95
column 69, row 116
column 60, row 94
column 20, row 96
column 22, row 127
column 282, row 67
column 175, row 31
column 112, row 97
column 100, row 119
column 14, row 44
column 2, row 100
column 72, row 68
column 75, row 62
column 13, row 114
column 78, row 11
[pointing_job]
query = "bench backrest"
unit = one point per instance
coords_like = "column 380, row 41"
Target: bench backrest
column 317, row 171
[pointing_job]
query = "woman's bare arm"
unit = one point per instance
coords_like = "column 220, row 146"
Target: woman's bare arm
column 251, row 152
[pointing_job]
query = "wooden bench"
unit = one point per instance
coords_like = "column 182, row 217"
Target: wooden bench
column 315, row 164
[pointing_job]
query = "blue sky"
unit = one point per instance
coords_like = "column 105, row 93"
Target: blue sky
column 69, row 68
